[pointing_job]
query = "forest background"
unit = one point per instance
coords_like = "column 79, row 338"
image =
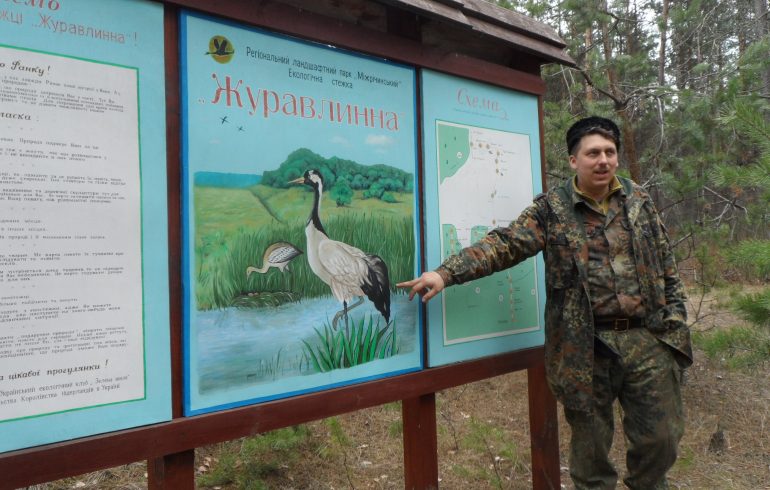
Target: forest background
column 688, row 82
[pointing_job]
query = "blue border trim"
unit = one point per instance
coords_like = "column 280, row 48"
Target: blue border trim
column 289, row 394
column 418, row 225
column 185, row 211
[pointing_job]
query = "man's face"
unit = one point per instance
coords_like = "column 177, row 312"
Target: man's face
column 595, row 161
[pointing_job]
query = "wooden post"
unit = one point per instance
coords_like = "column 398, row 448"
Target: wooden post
column 420, row 443
column 172, row 472
column 544, row 431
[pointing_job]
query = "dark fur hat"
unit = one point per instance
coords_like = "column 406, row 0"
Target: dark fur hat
column 592, row 125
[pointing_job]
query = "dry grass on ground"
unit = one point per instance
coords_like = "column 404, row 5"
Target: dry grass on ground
column 484, row 440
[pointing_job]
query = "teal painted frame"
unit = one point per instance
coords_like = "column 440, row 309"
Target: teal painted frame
column 443, row 100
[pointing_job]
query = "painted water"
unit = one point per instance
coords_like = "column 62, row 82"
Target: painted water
column 241, row 347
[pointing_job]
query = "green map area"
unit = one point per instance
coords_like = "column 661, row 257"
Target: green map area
column 478, row 232
column 453, row 149
column 480, row 186
column 501, row 303
column 452, row 245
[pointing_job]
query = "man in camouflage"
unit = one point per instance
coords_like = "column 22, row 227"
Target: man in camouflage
column 615, row 318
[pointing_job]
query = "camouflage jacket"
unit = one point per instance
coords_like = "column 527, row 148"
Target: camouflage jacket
column 552, row 225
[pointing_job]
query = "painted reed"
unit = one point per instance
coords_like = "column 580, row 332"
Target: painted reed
column 221, row 279
column 366, row 341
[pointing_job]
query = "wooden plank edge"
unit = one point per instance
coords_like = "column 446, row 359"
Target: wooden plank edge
column 283, row 19
column 54, row 461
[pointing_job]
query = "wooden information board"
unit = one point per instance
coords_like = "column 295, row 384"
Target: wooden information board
column 122, row 161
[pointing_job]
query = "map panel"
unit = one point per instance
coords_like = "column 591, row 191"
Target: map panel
column 493, row 166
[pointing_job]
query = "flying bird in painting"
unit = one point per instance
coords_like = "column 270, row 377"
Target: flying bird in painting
column 349, row 272
column 220, row 48
column 277, row 255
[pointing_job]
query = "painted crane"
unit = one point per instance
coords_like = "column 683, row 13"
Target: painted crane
column 348, row 271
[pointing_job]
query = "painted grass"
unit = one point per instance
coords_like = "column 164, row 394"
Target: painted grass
column 228, row 211
column 366, row 341
column 270, row 368
column 225, row 211
column 221, row 273
column 261, row 300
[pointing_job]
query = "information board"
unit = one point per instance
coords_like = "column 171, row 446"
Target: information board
column 300, row 217
column 84, row 281
column 482, row 168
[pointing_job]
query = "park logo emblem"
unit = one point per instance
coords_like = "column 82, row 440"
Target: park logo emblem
column 220, row 49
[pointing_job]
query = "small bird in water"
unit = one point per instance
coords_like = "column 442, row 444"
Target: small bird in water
column 277, row 255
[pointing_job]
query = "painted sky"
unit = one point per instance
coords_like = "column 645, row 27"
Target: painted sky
column 242, row 139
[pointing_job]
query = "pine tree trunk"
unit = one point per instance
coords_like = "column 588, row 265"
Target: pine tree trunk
column 588, row 89
column 662, row 49
column 762, row 28
column 607, row 45
column 628, row 138
column 621, row 109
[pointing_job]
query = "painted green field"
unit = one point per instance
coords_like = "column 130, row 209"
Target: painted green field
column 226, row 211
column 235, row 226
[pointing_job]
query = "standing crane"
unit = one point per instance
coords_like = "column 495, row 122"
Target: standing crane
column 348, row 271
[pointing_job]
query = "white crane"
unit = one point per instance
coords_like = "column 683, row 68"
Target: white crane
column 349, row 272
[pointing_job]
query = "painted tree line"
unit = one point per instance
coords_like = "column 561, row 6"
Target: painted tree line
column 688, row 81
column 342, row 176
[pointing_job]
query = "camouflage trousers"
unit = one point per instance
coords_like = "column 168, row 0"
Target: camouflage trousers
column 645, row 378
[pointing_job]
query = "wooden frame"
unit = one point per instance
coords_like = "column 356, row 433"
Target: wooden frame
column 171, row 440
column 169, row 447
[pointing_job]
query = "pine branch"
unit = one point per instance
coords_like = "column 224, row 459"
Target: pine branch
column 619, row 103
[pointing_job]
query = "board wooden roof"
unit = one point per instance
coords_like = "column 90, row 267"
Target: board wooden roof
column 491, row 20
